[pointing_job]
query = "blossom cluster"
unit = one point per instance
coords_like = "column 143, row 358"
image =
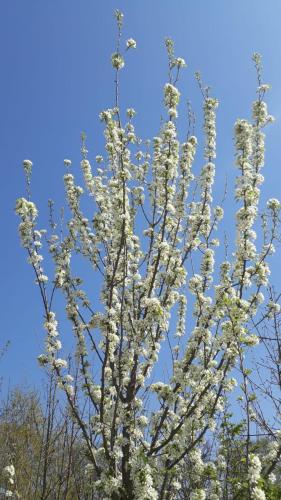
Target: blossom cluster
column 9, row 475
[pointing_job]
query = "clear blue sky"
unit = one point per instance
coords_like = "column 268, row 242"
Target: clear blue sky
column 55, row 79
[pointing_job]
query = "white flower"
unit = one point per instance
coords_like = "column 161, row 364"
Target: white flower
column 272, row 478
column 142, row 421
column 218, row 212
column 117, row 61
column 195, row 283
column 130, row 112
column 43, row 359
column 260, row 113
column 264, row 87
column 69, row 389
column 258, row 494
column 60, row 363
column 274, row 308
column 273, row 204
column 9, row 470
column 67, row 162
column 24, row 208
column 210, row 106
column 27, row 164
column 180, row 62
column 254, row 469
column 42, row 278
column 171, row 96
column 131, row 44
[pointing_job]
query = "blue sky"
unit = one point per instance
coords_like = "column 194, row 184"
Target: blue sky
column 55, row 79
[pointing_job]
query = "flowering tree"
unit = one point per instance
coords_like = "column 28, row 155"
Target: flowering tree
column 150, row 241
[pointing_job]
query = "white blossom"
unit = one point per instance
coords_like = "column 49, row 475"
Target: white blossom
column 117, row 61
column 60, row 363
column 274, row 204
column 131, row 43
